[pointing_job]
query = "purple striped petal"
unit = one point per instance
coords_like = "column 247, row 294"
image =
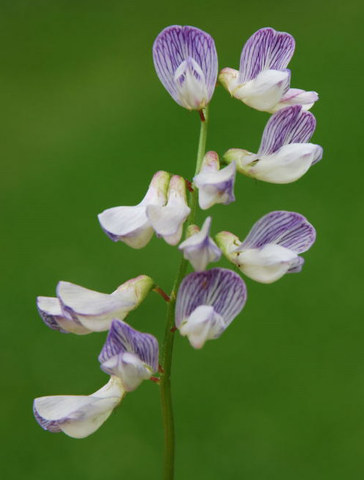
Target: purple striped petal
column 191, row 51
column 289, row 125
column 266, row 49
column 124, row 339
column 287, row 229
column 220, row 288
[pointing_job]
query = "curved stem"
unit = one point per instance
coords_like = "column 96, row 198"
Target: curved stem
column 167, row 345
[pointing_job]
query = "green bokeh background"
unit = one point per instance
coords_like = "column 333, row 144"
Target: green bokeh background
column 85, row 124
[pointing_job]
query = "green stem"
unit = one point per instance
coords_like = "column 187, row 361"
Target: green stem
column 167, row 345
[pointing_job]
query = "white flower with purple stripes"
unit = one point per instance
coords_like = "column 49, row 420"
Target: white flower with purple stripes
column 79, row 310
column 185, row 60
column 199, row 249
column 130, row 355
column 284, row 154
column 263, row 80
column 78, row 416
column 131, row 224
column 215, row 185
column 272, row 246
column 207, row 302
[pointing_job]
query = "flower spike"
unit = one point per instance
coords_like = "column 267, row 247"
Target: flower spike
column 130, row 355
column 199, row 248
column 131, row 224
column 207, row 302
column 168, row 220
column 263, row 80
column 80, row 310
column 78, row 416
column 215, row 185
column 272, row 246
column 284, row 154
column 185, row 60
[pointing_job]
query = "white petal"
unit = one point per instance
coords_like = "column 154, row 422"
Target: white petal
column 215, row 186
column 203, row 324
column 296, row 96
column 78, row 415
column 168, row 220
column 268, row 264
column 94, row 310
column 265, row 91
column 286, row 165
column 129, row 368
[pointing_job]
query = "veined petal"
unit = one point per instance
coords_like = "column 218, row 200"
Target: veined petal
column 50, row 309
column 130, row 224
column 264, row 91
column 219, row 288
column 287, row 229
column 286, row 165
column 296, row 96
column 186, row 57
column 289, row 125
column 199, row 249
column 95, row 310
column 129, row 354
column 203, row 324
column 215, row 186
column 266, row 49
column 78, row 415
column 168, row 220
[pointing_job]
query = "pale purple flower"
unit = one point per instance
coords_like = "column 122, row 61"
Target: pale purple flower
column 215, row 185
column 263, row 80
column 272, row 246
column 130, row 355
column 78, row 416
column 284, row 154
column 199, row 249
column 131, row 224
column 207, row 302
column 79, row 310
column 168, row 220
column 185, row 60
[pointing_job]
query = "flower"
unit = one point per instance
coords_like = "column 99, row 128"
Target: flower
column 207, row 302
column 168, row 220
column 200, row 249
column 131, row 224
column 272, row 246
column 215, row 185
column 263, row 81
column 78, row 416
column 79, row 310
column 284, row 155
column 185, row 60
column 130, row 355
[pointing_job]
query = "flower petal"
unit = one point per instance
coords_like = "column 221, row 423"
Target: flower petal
column 203, row 324
column 267, row 264
column 78, row 415
column 95, row 310
column 266, row 49
column 178, row 44
column 215, row 186
column 129, row 354
column 168, row 220
column 199, row 249
column 264, row 91
column 130, row 224
column 287, row 229
column 220, row 288
column 50, row 309
column 296, row 96
column 289, row 125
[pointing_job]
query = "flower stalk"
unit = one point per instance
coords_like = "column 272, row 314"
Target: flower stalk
column 167, row 345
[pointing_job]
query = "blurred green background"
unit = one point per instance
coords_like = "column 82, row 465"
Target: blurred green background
column 85, row 124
